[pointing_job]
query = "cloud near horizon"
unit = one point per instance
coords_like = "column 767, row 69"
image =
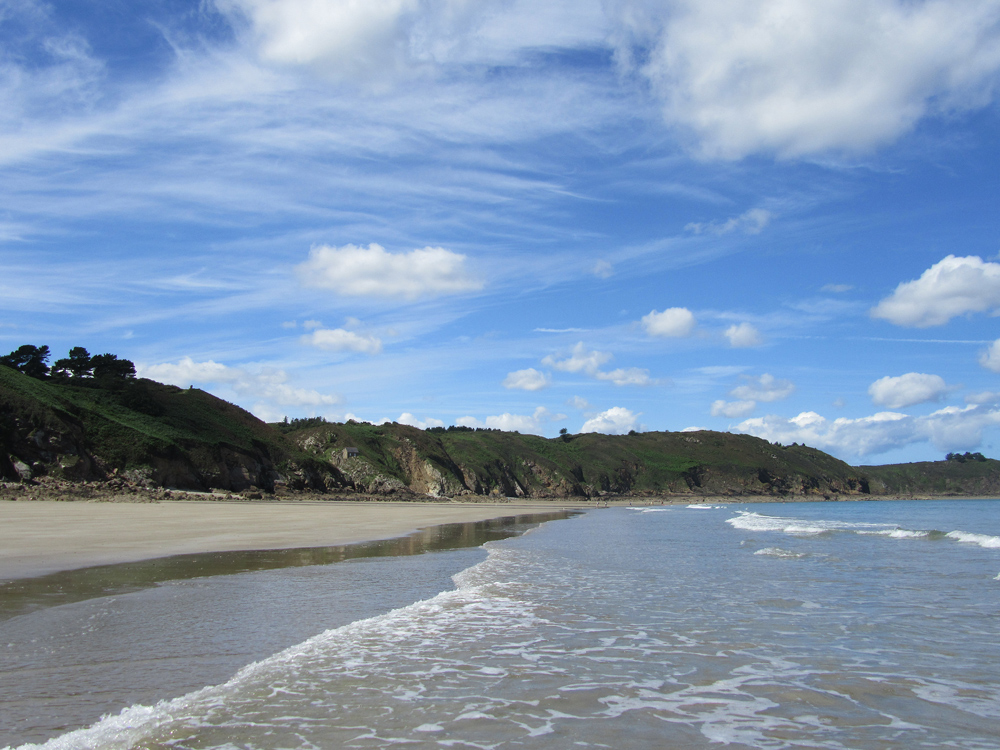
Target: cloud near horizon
column 268, row 384
column 948, row 429
column 614, row 421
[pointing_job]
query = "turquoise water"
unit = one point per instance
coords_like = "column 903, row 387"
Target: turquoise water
column 827, row 625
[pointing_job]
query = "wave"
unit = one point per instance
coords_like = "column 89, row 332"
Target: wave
column 983, row 540
column 778, row 552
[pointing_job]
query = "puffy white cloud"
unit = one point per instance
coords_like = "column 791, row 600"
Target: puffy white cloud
column 589, row 362
column 743, row 336
column 732, row 409
column 796, row 77
column 615, row 421
column 948, row 429
column 674, row 322
column 339, row 340
column 580, row 360
column 990, row 358
column 266, row 384
column 372, row 271
column 412, row 421
column 749, row 222
column 951, row 287
column 907, row 390
column 526, row 380
column 765, row 388
column 532, row 424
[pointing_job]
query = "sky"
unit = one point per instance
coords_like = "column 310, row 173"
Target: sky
column 773, row 217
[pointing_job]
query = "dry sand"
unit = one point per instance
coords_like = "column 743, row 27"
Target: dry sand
column 43, row 536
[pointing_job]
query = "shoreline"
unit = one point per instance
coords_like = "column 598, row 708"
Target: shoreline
column 40, row 537
column 45, row 536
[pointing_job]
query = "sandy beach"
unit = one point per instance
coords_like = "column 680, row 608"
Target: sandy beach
column 43, row 537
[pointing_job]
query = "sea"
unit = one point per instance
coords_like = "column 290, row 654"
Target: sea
column 872, row 624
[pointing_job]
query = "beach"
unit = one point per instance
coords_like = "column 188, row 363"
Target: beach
column 41, row 537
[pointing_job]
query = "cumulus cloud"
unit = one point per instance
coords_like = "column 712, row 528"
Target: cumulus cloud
column 578, row 402
column 798, row 77
column 339, row 340
column 907, row 390
column 526, row 380
column 953, row 286
column 990, row 358
column 765, row 388
column 589, row 363
column 948, row 429
column 531, row 424
column 615, row 421
column 374, row 272
column 749, row 222
column 732, row 409
column 408, row 419
column 743, row 336
column 674, row 322
column 266, row 383
column 983, row 397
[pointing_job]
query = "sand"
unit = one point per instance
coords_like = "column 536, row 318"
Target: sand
column 43, row 537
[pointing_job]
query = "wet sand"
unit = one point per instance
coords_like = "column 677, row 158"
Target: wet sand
column 41, row 537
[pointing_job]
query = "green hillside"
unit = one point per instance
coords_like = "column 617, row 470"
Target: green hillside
column 123, row 430
column 159, row 435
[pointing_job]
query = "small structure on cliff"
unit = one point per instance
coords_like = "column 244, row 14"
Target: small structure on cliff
column 350, row 453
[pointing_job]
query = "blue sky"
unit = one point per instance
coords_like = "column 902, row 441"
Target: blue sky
column 776, row 217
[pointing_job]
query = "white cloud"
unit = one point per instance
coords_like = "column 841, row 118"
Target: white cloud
column 311, row 325
column 948, row 429
column 526, row 380
column 797, row 77
column 412, row 421
column 990, row 358
column 907, row 390
column 626, row 376
column 589, row 362
column 580, row 360
column 371, row 271
column 615, row 421
column 953, row 286
column 578, row 402
column 983, row 397
column 732, row 409
column 267, row 384
column 603, row 270
column 531, row 424
column 765, row 388
column 743, row 336
column 674, row 322
column 749, row 222
column 339, row 340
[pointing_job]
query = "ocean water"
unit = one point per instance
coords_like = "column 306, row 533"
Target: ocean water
column 814, row 625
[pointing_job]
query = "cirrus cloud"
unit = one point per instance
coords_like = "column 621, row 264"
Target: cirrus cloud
column 373, row 272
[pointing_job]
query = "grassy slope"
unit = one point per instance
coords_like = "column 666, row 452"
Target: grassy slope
column 128, row 424
column 936, row 478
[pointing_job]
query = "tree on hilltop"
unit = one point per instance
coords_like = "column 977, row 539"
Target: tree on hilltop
column 31, row 360
column 109, row 366
column 78, row 364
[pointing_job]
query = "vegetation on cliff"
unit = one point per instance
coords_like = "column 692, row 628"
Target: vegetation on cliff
column 85, row 421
